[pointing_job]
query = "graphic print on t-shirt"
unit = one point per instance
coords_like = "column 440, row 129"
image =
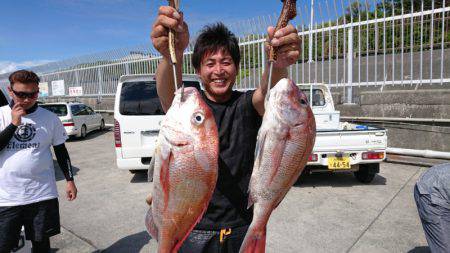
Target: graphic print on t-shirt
column 25, row 132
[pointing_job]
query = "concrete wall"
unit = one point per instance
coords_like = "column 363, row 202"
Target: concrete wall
column 388, row 68
column 426, row 102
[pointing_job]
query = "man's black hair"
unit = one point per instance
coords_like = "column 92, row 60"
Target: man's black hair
column 213, row 38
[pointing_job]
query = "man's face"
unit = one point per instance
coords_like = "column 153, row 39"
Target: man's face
column 218, row 74
column 24, row 94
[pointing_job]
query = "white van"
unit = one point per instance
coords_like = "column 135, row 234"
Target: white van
column 137, row 117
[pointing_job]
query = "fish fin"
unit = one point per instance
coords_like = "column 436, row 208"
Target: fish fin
column 150, row 224
column 260, row 142
column 255, row 240
column 151, row 169
column 250, row 202
column 259, row 149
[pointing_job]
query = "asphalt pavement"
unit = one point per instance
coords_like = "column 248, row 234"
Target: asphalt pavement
column 321, row 213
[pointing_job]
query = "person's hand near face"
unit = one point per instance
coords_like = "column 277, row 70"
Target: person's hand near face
column 17, row 112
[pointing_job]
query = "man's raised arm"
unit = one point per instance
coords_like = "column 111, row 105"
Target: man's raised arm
column 287, row 46
column 168, row 18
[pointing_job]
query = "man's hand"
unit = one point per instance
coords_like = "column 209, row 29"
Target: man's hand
column 287, row 45
column 169, row 18
column 16, row 114
column 71, row 190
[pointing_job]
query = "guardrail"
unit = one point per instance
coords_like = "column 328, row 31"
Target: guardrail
column 394, row 119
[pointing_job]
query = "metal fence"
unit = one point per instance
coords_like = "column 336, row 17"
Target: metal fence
column 344, row 44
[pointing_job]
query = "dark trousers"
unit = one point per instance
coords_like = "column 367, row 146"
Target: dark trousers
column 40, row 219
column 222, row 241
column 435, row 222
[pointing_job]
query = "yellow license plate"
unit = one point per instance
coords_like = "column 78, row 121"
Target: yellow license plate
column 338, row 163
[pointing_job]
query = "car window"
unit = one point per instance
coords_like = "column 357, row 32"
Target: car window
column 60, row 110
column 89, row 110
column 194, row 84
column 75, row 110
column 83, row 110
column 318, row 96
column 139, row 98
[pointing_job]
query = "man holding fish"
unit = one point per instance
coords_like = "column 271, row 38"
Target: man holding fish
column 223, row 225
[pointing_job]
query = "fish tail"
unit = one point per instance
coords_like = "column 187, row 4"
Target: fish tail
column 255, row 240
column 166, row 245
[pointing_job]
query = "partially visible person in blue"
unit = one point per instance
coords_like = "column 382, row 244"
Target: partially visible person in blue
column 432, row 195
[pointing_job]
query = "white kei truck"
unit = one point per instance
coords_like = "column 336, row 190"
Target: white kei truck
column 339, row 146
column 342, row 146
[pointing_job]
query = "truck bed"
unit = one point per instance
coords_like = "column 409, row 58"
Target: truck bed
column 350, row 137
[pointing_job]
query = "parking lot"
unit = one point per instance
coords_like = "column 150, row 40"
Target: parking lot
column 321, row 213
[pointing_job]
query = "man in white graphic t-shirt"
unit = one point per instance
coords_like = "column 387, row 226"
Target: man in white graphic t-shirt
column 28, row 194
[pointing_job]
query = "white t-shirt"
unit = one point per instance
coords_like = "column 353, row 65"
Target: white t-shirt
column 26, row 164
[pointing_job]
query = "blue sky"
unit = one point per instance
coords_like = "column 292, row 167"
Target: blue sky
column 35, row 32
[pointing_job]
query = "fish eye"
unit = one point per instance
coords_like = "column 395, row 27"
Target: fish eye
column 198, row 118
column 303, row 101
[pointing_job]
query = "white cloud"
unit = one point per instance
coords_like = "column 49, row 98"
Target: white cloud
column 8, row 66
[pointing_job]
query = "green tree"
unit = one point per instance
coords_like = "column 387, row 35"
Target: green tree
column 416, row 4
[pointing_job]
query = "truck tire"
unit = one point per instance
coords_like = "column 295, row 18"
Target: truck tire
column 367, row 172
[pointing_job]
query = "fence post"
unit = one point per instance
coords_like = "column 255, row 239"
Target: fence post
column 77, row 78
column 127, row 68
column 349, row 99
column 263, row 58
column 310, row 36
column 100, row 82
